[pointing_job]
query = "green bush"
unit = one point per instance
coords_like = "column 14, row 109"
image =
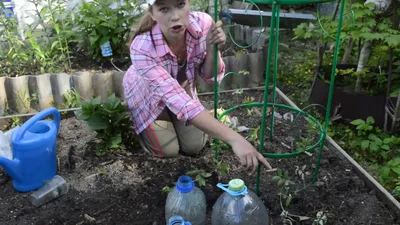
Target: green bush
column 99, row 23
column 110, row 120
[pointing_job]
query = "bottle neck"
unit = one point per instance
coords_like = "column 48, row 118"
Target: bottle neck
column 185, row 184
column 177, row 220
column 241, row 192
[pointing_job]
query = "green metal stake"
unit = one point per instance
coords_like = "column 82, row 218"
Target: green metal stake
column 331, row 86
column 274, row 27
column 271, row 133
column 268, row 72
column 216, row 86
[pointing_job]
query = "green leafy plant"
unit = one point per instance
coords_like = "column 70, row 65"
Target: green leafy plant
column 72, row 99
column 286, row 195
column 14, row 57
column 370, row 142
column 201, row 176
column 371, row 31
column 220, row 145
column 304, row 143
column 283, row 182
column 396, row 190
column 101, row 21
column 166, row 189
column 253, row 136
column 389, row 175
column 110, row 120
column 363, row 127
column 15, row 122
column 320, row 219
column 222, row 168
column 43, row 46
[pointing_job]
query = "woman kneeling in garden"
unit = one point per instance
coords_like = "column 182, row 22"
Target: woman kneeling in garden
column 169, row 47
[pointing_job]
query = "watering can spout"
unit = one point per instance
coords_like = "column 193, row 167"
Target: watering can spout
column 12, row 167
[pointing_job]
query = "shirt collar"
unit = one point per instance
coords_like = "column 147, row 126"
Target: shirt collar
column 194, row 30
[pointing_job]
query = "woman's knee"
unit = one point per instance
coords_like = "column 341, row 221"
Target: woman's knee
column 192, row 145
column 160, row 139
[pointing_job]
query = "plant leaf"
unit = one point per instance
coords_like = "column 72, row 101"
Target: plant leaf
column 202, row 181
column 386, row 147
column 364, row 144
column 279, row 171
column 288, row 200
column 357, row 122
column 374, row 147
column 387, row 140
column 207, row 175
column 96, row 122
column 370, row 120
column 191, row 172
column 115, row 141
column 396, row 170
column 275, row 179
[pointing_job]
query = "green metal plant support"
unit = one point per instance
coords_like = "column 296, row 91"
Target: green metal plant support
column 274, row 43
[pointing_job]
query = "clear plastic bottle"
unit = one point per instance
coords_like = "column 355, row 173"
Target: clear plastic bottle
column 238, row 206
column 178, row 220
column 186, row 200
column 51, row 190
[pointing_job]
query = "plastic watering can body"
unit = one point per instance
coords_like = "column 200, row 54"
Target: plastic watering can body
column 34, row 152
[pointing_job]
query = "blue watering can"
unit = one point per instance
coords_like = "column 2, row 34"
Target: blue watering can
column 34, row 152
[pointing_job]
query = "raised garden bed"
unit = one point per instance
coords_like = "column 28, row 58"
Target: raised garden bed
column 127, row 188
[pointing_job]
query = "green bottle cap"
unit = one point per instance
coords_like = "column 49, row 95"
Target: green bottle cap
column 236, row 184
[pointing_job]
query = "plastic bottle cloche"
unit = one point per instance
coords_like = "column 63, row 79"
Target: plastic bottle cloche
column 238, row 206
column 186, row 200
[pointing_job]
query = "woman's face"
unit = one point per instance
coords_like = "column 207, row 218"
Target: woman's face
column 172, row 17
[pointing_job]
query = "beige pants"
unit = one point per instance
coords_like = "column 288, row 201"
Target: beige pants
column 167, row 136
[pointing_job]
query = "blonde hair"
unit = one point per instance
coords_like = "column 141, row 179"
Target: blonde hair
column 145, row 24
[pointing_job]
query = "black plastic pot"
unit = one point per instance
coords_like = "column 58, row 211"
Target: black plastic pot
column 353, row 105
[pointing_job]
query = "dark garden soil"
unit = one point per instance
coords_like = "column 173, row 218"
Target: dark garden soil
column 126, row 188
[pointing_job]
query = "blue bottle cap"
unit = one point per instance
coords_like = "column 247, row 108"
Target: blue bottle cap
column 177, row 220
column 185, row 184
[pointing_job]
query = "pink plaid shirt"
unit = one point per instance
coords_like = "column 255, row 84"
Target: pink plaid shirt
column 150, row 83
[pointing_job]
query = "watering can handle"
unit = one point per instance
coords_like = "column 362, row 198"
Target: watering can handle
column 40, row 115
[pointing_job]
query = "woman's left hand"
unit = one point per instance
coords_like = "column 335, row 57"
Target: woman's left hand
column 216, row 35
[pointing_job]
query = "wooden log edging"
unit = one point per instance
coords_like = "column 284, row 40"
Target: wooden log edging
column 29, row 93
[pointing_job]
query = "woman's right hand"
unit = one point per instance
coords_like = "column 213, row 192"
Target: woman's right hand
column 249, row 157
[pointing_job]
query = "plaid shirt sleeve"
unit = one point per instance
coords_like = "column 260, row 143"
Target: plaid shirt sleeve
column 165, row 87
column 220, row 73
column 206, row 22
